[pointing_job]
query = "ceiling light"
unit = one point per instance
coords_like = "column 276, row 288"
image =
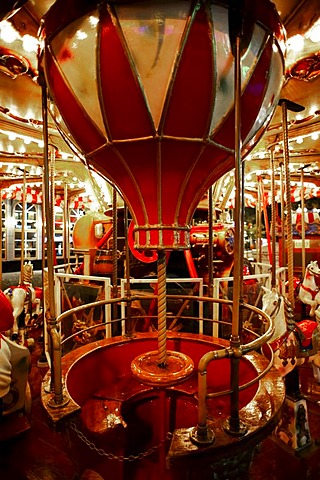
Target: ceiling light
column 30, row 43
column 93, row 21
column 314, row 33
column 313, row 109
column 81, row 35
column 315, row 136
column 296, row 43
column 7, row 33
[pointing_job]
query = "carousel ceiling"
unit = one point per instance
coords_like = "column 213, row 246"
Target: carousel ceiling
column 21, row 139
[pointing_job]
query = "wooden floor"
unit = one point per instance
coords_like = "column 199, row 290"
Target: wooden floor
column 43, row 454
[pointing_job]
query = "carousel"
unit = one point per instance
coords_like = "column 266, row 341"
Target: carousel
column 171, row 352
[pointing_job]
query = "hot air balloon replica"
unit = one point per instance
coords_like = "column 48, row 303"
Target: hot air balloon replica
column 152, row 94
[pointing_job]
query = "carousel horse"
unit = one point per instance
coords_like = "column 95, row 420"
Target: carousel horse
column 308, row 291
column 15, row 393
column 21, row 298
column 24, row 302
column 292, row 342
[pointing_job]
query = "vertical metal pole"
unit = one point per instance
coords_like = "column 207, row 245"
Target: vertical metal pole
column 292, row 380
column 1, row 218
column 42, row 361
column 303, row 228
column 50, row 314
column 258, row 223
column 285, row 106
column 23, row 225
column 66, row 227
column 234, row 425
column 238, row 239
column 210, row 252
column 48, row 207
column 273, row 221
column 114, row 254
column 283, row 221
column 129, row 326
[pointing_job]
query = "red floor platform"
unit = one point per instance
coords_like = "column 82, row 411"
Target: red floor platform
column 41, row 453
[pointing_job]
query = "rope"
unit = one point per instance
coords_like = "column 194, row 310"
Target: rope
column 288, row 208
column 162, row 307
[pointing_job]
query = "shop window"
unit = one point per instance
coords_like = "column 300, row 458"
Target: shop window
column 28, row 241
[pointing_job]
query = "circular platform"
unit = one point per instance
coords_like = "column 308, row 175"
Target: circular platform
column 177, row 368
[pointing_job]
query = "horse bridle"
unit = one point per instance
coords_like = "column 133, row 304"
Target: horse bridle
column 276, row 308
column 312, row 272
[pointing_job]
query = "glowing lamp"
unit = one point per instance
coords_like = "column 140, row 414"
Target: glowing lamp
column 145, row 91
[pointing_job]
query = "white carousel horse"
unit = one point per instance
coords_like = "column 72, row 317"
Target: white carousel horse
column 15, row 362
column 309, row 292
column 24, row 302
column 21, row 298
column 292, row 342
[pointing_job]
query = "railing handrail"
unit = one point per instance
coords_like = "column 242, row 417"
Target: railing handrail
column 252, row 345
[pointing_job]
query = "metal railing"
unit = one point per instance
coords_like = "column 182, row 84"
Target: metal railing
column 201, row 433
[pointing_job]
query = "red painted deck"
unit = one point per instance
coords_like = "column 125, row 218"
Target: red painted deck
column 41, row 453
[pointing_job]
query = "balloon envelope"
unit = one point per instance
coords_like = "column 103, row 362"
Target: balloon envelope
column 145, row 91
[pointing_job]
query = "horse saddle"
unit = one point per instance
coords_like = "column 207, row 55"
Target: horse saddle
column 307, row 336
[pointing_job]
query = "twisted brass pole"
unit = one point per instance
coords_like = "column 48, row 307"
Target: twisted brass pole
column 289, row 243
column 162, row 309
column 283, row 222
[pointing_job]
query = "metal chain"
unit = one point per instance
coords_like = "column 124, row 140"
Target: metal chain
column 112, row 456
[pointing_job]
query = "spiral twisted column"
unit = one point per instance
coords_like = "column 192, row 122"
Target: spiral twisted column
column 162, row 310
column 289, row 244
column 162, row 368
